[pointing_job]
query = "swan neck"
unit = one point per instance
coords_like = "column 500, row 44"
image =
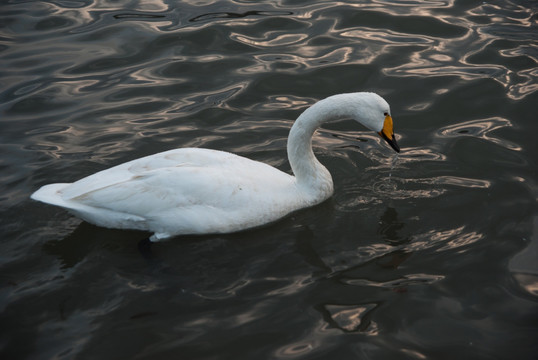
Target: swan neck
column 308, row 171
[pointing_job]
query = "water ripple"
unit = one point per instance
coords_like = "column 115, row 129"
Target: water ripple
column 89, row 84
column 344, row 264
column 350, row 317
column 480, row 128
column 233, row 15
column 406, row 280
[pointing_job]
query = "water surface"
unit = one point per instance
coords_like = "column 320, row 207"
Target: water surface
column 428, row 256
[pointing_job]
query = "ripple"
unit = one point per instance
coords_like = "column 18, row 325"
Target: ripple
column 436, row 27
column 297, row 349
column 394, row 188
column 455, row 181
column 233, row 15
column 405, row 281
column 52, row 129
column 480, row 128
column 479, row 61
column 406, row 158
column 138, row 16
column 53, row 23
column 25, row 89
column 288, row 102
column 350, row 317
column 228, row 292
column 69, row 4
column 384, row 187
column 293, row 63
column 397, row 250
column 387, row 37
column 271, row 39
column 444, row 240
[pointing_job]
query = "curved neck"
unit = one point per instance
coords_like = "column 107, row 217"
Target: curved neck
column 308, row 171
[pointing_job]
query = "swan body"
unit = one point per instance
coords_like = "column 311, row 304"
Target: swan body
column 203, row 191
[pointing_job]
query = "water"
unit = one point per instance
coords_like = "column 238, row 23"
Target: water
column 432, row 256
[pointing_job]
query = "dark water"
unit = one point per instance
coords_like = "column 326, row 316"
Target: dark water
column 432, row 255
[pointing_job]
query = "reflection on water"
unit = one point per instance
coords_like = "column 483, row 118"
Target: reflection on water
column 480, row 129
column 405, row 281
column 389, row 226
column 232, row 15
column 350, row 318
column 427, row 255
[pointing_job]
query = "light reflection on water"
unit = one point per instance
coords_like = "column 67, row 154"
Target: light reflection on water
column 481, row 129
column 407, row 253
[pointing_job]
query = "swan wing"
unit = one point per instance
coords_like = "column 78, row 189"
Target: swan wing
column 183, row 191
column 141, row 167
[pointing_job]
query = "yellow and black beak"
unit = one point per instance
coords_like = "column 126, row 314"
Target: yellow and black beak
column 387, row 133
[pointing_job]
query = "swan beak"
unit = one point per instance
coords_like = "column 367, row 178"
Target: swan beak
column 387, row 133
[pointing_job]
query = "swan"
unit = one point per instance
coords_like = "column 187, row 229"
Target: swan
column 203, row 191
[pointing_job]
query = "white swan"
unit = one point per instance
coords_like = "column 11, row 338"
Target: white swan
column 202, row 191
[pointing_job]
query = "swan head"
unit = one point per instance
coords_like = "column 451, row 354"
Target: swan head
column 374, row 112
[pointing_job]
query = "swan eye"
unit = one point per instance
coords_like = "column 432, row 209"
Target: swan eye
column 385, row 113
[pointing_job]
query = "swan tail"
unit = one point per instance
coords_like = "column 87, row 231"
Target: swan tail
column 51, row 194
